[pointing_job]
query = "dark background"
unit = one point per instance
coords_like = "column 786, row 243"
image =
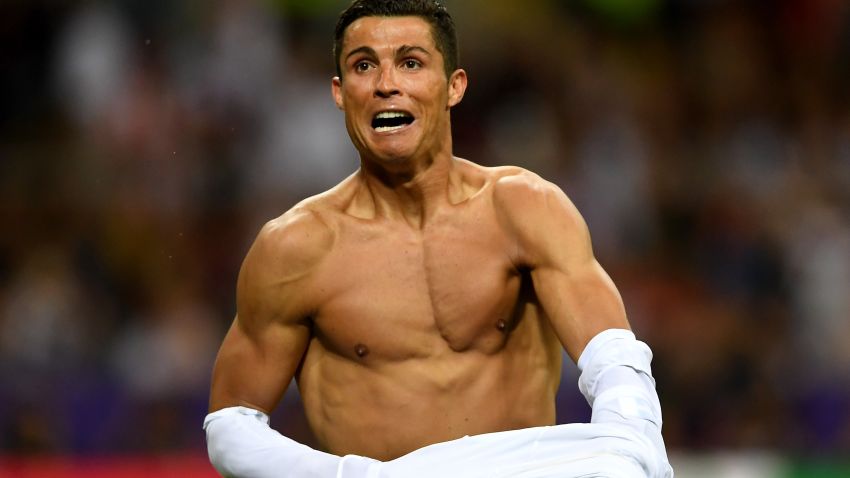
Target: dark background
column 143, row 144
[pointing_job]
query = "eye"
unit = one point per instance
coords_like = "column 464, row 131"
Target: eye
column 411, row 64
column 362, row 66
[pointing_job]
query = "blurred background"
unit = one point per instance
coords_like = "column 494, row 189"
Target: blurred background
column 143, row 145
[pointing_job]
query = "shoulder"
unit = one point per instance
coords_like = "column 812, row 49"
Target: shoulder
column 300, row 238
column 293, row 242
column 520, row 195
column 536, row 211
column 509, row 185
column 275, row 273
column 512, row 183
column 285, row 253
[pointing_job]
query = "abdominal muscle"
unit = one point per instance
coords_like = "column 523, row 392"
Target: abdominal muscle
column 385, row 409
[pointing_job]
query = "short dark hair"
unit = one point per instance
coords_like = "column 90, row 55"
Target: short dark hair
column 432, row 11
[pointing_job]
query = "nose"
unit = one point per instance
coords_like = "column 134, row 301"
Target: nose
column 386, row 86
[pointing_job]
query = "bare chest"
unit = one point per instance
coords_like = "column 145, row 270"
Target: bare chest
column 392, row 293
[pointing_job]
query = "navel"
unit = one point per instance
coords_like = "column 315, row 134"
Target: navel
column 361, row 350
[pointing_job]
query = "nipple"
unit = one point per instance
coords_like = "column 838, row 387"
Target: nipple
column 361, row 350
column 501, row 325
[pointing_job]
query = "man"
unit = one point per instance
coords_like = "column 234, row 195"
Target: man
column 425, row 299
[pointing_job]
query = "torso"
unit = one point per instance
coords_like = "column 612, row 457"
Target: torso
column 424, row 335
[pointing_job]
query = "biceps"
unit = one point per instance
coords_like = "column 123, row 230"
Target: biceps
column 579, row 304
column 254, row 370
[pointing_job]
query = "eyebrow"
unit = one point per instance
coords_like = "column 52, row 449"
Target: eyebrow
column 363, row 49
column 408, row 49
column 401, row 51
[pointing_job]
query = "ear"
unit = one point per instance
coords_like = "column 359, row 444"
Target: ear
column 457, row 87
column 336, row 86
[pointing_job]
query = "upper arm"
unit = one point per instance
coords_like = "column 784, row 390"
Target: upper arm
column 553, row 241
column 271, row 331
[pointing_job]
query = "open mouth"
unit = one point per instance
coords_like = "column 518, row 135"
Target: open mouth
column 391, row 120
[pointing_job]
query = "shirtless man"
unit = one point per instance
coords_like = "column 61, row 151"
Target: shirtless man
column 426, row 298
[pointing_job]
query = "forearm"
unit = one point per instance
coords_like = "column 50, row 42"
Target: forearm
column 241, row 444
column 617, row 382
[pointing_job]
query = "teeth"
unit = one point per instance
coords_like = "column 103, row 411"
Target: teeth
column 391, row 114
column 382, row 129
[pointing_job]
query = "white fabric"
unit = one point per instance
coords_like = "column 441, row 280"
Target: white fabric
column 241, row 444
column 617, row 382
column 578, row 450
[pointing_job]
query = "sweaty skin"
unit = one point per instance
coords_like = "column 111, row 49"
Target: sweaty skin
column 425, row 297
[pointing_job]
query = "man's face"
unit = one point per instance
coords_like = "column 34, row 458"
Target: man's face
column 394, row 90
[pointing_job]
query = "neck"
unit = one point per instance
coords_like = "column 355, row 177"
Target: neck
column 411, row 191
